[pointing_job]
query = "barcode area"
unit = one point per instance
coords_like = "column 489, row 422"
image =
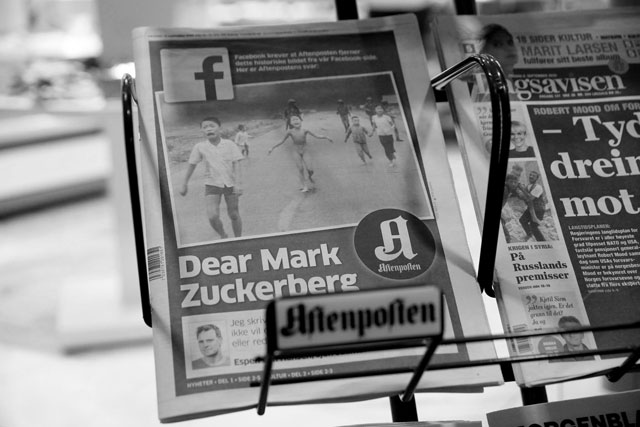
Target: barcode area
column 521, row 345
column 155, row 264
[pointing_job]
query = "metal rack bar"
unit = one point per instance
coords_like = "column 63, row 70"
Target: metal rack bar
column 501, row 117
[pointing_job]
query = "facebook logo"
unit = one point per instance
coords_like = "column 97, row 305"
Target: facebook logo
column 395, row 244
column 209, row 76
column 202, row 74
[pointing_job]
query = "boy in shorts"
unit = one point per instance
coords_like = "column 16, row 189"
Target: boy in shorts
column 222, row 159
column 384, row 127
column 359, row 136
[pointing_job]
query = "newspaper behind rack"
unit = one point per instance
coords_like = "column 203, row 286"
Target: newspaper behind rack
column 309, row 236
column 569, row 252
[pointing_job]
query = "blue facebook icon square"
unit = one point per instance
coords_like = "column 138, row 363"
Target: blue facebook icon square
column 196, row 74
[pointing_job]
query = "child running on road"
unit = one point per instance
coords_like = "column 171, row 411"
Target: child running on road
column 387, row 110
column 301, row 155
column 222, row 160
column 242, row 140
column 384, row 127
column 359, row 135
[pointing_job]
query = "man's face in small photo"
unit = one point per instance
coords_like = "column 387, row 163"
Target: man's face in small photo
column 210, row 128
column 573, row 339
column 209, row 342
column 512, row 182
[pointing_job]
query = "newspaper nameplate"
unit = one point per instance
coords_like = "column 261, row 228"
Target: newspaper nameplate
column 386, row 315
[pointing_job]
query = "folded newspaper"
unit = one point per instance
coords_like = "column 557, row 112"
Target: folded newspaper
column 569, row 253
column 293, row 160
column 616, row 409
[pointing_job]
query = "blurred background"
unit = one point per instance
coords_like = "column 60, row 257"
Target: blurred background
column 73, row 348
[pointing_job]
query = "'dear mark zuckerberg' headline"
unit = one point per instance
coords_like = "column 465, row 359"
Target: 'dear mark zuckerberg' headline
column 389, row 243
column 242, row 291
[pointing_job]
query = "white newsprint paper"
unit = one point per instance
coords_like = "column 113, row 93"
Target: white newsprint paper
column 267, row 170
column 615, row 409
column 569, row 252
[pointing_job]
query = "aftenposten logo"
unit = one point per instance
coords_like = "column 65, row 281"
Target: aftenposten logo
column 394, row 244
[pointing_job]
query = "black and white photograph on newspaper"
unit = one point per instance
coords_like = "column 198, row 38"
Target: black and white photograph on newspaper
column 527, row 214
column 302, row 172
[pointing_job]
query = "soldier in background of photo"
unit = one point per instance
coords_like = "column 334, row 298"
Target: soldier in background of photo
column 343, row 111
column 291, row 110
column 370, row 108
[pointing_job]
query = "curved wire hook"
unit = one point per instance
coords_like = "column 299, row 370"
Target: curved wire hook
column 127, row 88
column 501, row 119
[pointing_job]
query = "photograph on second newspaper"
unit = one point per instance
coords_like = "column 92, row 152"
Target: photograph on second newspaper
column 293, row 156
column 527, row 214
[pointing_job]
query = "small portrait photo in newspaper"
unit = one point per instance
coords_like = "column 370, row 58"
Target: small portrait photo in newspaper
column 206, row 345
column 569, row 341
column 526, row 211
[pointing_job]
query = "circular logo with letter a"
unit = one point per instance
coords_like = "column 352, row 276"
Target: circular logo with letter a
column 394, row 244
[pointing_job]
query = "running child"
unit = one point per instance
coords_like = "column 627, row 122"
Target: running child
column 242, row 140
column 387, row 110
column 359, row 136
column 384, row 127
column 223, row 171
column 299, row 151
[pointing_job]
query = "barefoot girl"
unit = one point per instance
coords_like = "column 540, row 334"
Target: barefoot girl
column 301, row 155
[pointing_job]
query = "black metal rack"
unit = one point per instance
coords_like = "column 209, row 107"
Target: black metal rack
column 403, row 405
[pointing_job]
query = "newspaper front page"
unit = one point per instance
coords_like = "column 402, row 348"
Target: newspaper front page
column 285, row 161
column 621, row 408
column 569, row 253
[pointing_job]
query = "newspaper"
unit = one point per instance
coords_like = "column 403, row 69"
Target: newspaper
column 607, row 410
column 568, row 252
column 295, row 199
